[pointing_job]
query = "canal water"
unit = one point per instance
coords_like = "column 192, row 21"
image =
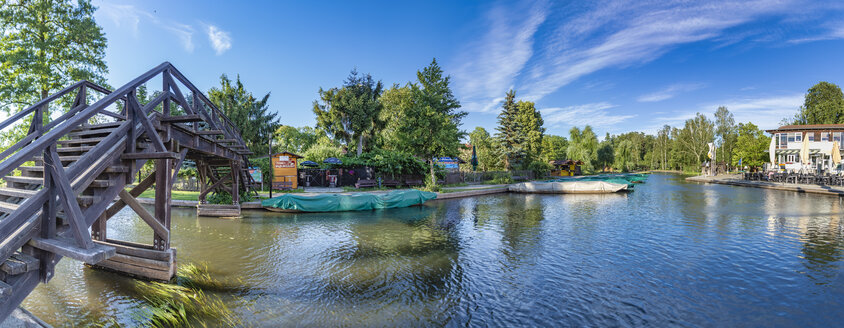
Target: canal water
column 670, row 253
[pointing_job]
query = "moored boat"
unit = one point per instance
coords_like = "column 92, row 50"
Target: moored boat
column 568, row 187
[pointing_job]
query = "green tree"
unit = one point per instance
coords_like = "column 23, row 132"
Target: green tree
column 725, row 130
column 554, row 148
column 694, row 138
column 296, row 140
column 532, row 130
column 324, row 148
column 824, row 104
column 751, row 144
column 486, row 148
column 250, row 115
column 624, row 153
column 510, row 132
column 45, row 46
column 662, row 147
column 583, row 146
column 605, row 155
column 430, row 125
column 352, row 113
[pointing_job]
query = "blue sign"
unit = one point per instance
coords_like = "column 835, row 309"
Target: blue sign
column 448, row 162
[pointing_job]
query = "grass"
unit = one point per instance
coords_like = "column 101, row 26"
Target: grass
column 175, row 194
column 187, row 302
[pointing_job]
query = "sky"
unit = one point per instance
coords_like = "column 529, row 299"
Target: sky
column 617, row 66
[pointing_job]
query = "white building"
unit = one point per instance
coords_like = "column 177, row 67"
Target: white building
column 789, row 141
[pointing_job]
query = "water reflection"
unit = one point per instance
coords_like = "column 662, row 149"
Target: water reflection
column 670, row 253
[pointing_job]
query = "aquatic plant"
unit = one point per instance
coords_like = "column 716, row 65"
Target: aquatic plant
column 186, row 302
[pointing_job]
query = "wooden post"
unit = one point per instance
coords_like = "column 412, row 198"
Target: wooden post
column 162, row 200
column 235, row 172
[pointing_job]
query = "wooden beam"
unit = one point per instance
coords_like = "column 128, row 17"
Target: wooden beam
column 64, row 247
column 150, row 129
column 156, row 226
column 135, row 192
column 210, row 132
column 159, row 155
column 78, row 224
column 181, row 118
column 178, row 165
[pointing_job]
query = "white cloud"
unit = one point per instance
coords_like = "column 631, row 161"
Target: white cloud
column 593, row 114
column 832, row 32
column 551, row 47
column 131, row 16
column 669, row 92
column 765, row 112
column 220, row 40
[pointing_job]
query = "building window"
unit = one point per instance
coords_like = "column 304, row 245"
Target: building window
column 811, row 136
column 791, row 137
column 783, row 140
column 824, row 136
column 798, row 137
column 836, row 136
column 790, row 158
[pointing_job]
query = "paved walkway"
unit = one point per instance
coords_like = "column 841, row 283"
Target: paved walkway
column 736, row 180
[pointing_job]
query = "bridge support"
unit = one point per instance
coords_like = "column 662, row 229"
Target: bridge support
column 215, row 176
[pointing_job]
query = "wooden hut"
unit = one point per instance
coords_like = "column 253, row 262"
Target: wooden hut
column 565, row 168
column 284, row 170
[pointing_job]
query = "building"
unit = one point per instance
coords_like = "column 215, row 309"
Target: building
column 285, row 171
column 821, row 139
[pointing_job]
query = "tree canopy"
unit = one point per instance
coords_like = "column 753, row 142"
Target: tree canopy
column 45, row 46
column 751, row 144
column 249, row 114
column 351, row 114
column 823, row 104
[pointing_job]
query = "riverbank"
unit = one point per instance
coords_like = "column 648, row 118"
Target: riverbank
column 736, row 180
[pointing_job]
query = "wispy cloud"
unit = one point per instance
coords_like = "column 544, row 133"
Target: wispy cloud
column 184, row 33
column 669, row 92
column 833, row 31
column 764, row 111
column 594, row 114
column 551, row 47
column 220, row 40
column 125, row 15
column 491, row 64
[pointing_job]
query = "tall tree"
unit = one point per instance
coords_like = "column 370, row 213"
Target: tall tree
column 662, row 146
column 725, row 130
column 605, row 154
column 824, row 104
column 554, row 148
column 624, row 153
column 532, row 130
column 694, row 138
column 46, row 45
column 430, row 126
column 510, row 131
column 751, row 144
column 250, row 115
column 583, row 146
column 352, row 113
column 296, row 140
column 486, row 148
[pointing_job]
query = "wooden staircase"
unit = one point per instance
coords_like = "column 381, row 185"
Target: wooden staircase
column 62, row 179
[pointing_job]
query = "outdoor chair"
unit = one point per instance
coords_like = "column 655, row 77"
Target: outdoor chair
column 366, row 183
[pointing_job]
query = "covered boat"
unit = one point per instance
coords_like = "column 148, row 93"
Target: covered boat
column 336, row 202
column 568, row 187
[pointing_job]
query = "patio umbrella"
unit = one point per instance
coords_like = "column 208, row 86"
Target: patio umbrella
column 308, row 163
column 836, row 153
column 474, row 159
column 804, row 152
column 772, row 152
column 332, row 160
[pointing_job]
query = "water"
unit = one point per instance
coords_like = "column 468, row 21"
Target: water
column 669, row 254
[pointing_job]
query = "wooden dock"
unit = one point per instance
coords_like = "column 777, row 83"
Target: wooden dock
column 736, row 180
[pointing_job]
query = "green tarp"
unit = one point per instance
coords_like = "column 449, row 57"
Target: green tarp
column 348, row 201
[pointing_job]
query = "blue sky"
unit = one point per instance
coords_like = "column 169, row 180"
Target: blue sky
column 617, row 66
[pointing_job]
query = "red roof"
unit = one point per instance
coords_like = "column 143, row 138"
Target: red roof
column 808, row 127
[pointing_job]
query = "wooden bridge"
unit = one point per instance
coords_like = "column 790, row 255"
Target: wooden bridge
column 63, row 177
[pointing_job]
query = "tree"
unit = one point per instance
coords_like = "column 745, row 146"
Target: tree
column 510, row 131
column 662, row 146
column 624, row 155
column 694, row 138
column 352, row 113
column 324, row 148
column 583, row 146
column 296, row 140
column 554, row 148
column 431, row 120
column 751, row 144
column 486, row 148
column 532, row 130
column 823, row 104
column 605, row 155
column 725, row 130
column 45, row 46
column 249, row 114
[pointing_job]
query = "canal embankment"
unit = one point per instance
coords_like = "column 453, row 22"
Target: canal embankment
column 736, row 180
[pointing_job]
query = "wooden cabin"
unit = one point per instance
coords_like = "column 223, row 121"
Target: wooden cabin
column 285, row 174
column 565, row 168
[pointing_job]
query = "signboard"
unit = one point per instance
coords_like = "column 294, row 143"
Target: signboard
column 284, row 162
column 255, row 172
column 447, row 162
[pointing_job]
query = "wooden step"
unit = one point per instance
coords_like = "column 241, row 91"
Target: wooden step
column 73, row 149
column 110, row 169
column 79, row 141
column 39, row 161
column 38, row 181
column 8, row 207
column 19, row 263
column 98, row 126
column 90, row 132
column 181, row 118
column 15, row 192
